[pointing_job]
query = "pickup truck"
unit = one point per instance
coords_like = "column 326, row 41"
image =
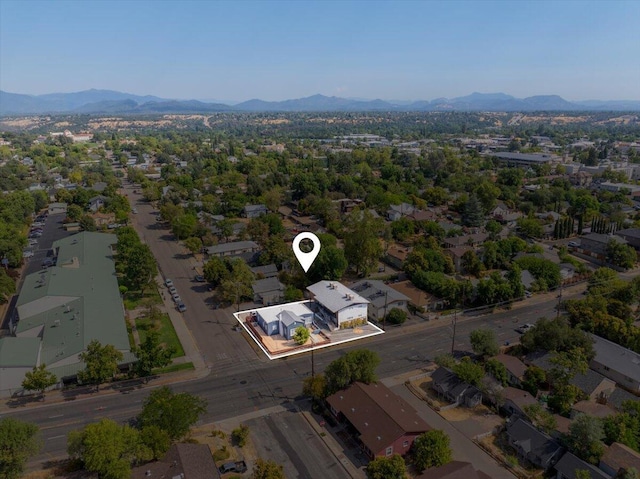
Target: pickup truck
column 238, row 466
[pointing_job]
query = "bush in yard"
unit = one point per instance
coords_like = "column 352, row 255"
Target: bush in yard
column 240, row 435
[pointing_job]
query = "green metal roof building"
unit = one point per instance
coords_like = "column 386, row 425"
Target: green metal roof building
column 60, row 310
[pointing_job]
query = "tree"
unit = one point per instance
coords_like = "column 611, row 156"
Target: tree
column 585, row 438
column 469, row 371
column 151, row 354
column 362, row 245
column 431, row 449
column 184, row 225
column 108, row 448
column 301, row 335
column 563, row 398
column 582, row 474
column 172, row 412
column 193, row 244
column 497, row 370
column 472, row 264
column 566, row 364
column 330, row 264
column 314, row 387
column 534, row 378
column 7, row 286
column 74, row 212
column 157, row 440
column 18, row 442
column 101, row 363
column 621, row 255
column 357, row 365
column 39, row 379
column 473, row 215
column 530, row 227
column 240, row 435
column 267, row 470
column 541, row 418
column 396, row 316
column 237, row 286
column 484, row 342
column 392, row 467
column 215, row 271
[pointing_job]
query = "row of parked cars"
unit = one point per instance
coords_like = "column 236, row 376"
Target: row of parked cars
column 34, row 234
column 174, row 294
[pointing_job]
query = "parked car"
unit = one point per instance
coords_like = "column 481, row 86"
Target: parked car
column 172, row 290
column 181, row 307
column 33, row 242
column 36, row 234
column 27, row 254
column 199, row 278
column 238, row 466
column 48, row 262
column 524, row 328
column 176, row 297
column 573, row 243
column 168, row 283
column 135, row 211
column 528, row 294
column 38, row 223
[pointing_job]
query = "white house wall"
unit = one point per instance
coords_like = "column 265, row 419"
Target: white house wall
column 357, row 311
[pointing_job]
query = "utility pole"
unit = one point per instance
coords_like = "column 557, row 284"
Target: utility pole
column 386, row 297
column 559, row 300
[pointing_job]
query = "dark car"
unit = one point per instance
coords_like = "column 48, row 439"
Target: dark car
column 238, row 466
column 181, row 307
column 48, row 262
column 199, row 278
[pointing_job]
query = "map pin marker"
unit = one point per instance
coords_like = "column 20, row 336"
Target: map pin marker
column 306, row 259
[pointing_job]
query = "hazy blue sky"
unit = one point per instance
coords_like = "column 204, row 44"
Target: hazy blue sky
column 277, row 50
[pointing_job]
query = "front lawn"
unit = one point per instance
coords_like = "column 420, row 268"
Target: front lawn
column 168, row 335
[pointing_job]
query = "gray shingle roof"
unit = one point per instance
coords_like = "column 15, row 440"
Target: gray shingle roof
column 569, row 464
column 377, row 292
column 233, row 246
column 335, row 296
column 532, row 441
column 617, row 358
column 266, row 285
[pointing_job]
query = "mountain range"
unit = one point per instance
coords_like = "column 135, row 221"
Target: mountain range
column 114, row 102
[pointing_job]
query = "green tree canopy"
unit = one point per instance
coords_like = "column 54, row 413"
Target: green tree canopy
column 469, row 371
column 585, row 438
column 267, row 470
column 392, row 467
column 108, row 448
column 396, row 316
column 301, row 335
column 484, row 342
column 357, row 365
column 101, row 363
column 362, row 244
column 151, row 354
column 431, row 449
column 18, row 442
column 39, row 379
column 172, row 412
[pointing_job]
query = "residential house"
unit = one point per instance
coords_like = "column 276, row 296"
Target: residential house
column 184, row 461
column 504, row 214
column 60, row 310
column 631, row 236
column 515, row 401
column 266, row 271
column 418, row 298
column 397, row 255
column 235, row 248
column 268, row 291
column 474, row 240
column 99, row 186
column 395, row 212
column 385, row 423
column 617, row 363
column 515, row 368
column 453, row 470
column 284, row 319
column 595, row 244
column 594, row 385
column 619, row 457
column 591, row 408
column 97, row 202
column 57, row 208
column 337, row 304
column 456, row 253
column 449, row 386
column 382, row 298
column 533, row 445
column 254, row 211
column 347, row 205
column 569, row 464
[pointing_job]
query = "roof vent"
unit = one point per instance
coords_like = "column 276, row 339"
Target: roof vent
column 56, row 323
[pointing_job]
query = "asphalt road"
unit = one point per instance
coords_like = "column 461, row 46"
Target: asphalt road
column 260, row 384
column 241, row 379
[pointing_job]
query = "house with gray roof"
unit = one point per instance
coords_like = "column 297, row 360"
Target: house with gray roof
column 382, row 298
column 631, row 235
column 595, row 244
column 268, row 291
column 533, row 445
column 266, row 271
column 617, row 363
column 254, row 211
column 449, row 386
column 235, row 248
column 284, row 319
column 337, row 304
column 60, row 310
column 569, row 464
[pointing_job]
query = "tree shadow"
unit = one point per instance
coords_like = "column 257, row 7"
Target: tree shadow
column 22, row 401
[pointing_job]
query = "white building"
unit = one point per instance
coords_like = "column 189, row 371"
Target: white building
column 338, row 304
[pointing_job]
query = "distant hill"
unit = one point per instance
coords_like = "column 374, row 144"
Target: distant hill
column 114, row 102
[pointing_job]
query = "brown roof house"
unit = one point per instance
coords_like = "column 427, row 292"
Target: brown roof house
column 453, row 470
column 516, row 400
column 185, row 461
column 515, row 368
column 385, row 423
column 618, row 456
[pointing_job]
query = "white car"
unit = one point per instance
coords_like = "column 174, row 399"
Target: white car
column 168, row 283
column 524, row 328
column 176, row 298
column 173, row 290
column 27, row 254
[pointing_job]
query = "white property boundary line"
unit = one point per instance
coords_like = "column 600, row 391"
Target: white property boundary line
column 301, row 350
